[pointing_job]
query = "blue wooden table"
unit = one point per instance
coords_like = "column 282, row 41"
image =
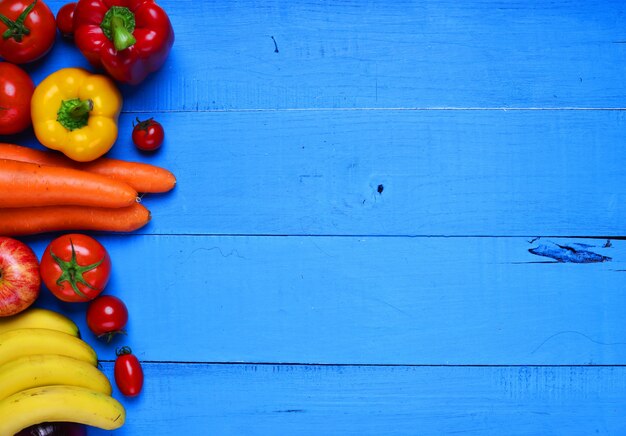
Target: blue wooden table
column 391, row 218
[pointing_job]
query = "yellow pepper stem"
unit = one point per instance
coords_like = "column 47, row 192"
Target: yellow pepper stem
column 74, row 114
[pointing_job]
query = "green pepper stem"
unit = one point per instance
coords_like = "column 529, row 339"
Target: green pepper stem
column 74, row 114
column 118, row 25
column 122, row 38
column 83, row 108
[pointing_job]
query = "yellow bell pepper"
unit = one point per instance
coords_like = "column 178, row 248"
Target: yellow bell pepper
column 76, row 112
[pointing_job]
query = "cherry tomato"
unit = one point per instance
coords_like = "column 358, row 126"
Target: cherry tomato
column 148, row 135
column 16, row 90
column 107, row 316
column 28, row 30
column 65, row 19
column 128, row 372
column 75, row 267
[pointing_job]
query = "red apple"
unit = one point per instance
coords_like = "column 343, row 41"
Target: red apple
column 19, row 276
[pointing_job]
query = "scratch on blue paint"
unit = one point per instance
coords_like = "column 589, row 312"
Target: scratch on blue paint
column 575, row 253
column 574, row 332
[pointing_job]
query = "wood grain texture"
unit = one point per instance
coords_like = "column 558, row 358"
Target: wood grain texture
column 352, row 54
column 363, row 300
column 495, row 173
column 312, row 400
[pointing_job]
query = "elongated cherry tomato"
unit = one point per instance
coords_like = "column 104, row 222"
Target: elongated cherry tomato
column 148, row 135
column 107, row 316
column 16, row 90
column 75, row 267
column 65, row 19
column 128, row 372
column 27, row 30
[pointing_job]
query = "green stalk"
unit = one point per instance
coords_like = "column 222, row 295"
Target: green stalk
column 16, row 29
column 74, row 114
column 118, row 25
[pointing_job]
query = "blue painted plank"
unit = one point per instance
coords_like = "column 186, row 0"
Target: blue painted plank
column 512, row 173
column 312, row 400
column 350, row 54
column 363, row 300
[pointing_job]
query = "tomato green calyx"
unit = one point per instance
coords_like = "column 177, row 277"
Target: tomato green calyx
column 108, row 336
column 123, row 350
column 72, row 272
column 74, row 113
column 118, row 25
column 16, row 29
column 143, row 125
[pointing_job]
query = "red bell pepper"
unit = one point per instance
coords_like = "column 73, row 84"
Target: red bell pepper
column 129, row 39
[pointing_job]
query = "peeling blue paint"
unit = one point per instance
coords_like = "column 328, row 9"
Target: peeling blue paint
column 574, row 253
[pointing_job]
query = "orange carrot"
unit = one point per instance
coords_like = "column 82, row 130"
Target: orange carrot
column 25, row 184
column 140, row 176
column 33, row 220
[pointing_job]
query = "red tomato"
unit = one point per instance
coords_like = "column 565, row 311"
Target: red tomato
column 106, row 316
column 31, row 32
column 75, row 267
column 65, row 19
column 16, row 90
column 128, row 372
column 148, row 135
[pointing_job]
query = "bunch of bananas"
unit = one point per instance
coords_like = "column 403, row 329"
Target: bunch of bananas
column 48, row 374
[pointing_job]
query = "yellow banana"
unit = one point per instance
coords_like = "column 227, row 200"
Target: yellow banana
column 49, row 369
column 39, row 318
column 27, row 342
column 60, row 403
